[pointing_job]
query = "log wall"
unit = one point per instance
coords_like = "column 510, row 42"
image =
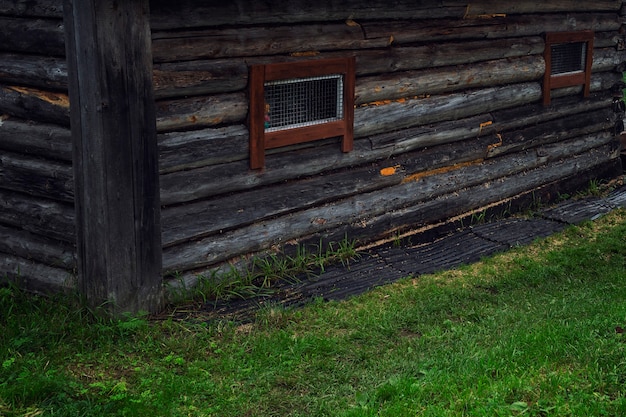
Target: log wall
column 37, row 233
column 447, row 120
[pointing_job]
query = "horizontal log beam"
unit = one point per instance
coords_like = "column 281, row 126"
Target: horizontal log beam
column 412, row 31
column 187, row 13
column 34, row 104
column 214, row 216
column 259, row 41
column 37, row 177
column 414, row 190
column 45, row 36
column 201, row 112
column 34, row 71
column 29, row 8
column 30, row 138
column 42, row 217
column 27, row 245
column 34, row 275
column 184, row 186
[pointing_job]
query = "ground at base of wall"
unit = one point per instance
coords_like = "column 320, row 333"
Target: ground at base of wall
column 385, row 264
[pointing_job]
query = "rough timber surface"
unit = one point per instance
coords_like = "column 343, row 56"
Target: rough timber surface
column 385, row 264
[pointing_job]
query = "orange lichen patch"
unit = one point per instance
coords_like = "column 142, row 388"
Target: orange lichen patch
column 386, row 172
column 56, row 99
column 443, row 170
column 484, row 124
column 305, row 53
column 497, row 144
column 398, row 100
column 467, row 14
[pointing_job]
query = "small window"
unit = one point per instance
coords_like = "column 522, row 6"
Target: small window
column 568, row 57
column 300, row 102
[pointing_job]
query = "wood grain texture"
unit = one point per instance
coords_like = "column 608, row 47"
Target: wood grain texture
column 115, row 153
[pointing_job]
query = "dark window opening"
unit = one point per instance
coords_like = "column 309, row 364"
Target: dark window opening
column 297, row 102
column 568, row 57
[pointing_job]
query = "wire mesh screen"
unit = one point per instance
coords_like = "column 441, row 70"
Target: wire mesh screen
column 303, row 102
column 568, row 57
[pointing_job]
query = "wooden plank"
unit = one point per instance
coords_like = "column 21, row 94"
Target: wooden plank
column 27, row 245
column 115, row 153
column 430, row 213
column 259, row 41
column 191, row 78
column 449, row 79
column 45, row 36
column 188, row 13
column 216, row 215
column 37, row 177
column 35, row 104
column 29, row 8
column 411, row 31
column 36, row 139
column 372, row 120
column 184, row 186
column 198, row 148
column 202, row 218
column 413, row 191
column 40, row 216
column 199, row 112
column 34, row 275
column 33, row 71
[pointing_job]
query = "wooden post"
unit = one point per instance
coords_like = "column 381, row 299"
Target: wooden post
column 115, row 153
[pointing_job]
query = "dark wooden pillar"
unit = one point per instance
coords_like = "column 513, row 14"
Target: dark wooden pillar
column 115, row 153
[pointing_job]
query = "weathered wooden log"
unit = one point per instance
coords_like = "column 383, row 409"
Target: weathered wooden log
column 43, row 217
column 177, row 187
column 371, row 120
column 414, row 189
column 264, row 40
column 553, row 131
column 30, row 138
column 188, row 13
column 34, row 275
column 489, row 7
column 216, row 215
column 200, row 112
column 34, row 71
column 36, row 105
column 411, row 31
column 37, row 248
column 449, row 79
column 180, row 79
column 185, row 150
column 37, row 177
column 431, row 212
column 29, row 8
column 45, row 36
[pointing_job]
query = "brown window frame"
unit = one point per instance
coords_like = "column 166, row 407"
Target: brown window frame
column 260, row 140
column 582, row 77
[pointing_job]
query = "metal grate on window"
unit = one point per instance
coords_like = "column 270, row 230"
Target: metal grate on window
column 568, row 57
column 303, row 102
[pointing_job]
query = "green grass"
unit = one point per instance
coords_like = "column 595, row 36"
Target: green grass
column 536, row 331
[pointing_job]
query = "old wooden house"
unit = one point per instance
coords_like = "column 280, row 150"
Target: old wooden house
column 201, row 132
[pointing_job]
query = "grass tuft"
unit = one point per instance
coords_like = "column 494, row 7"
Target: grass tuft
column 536, row 331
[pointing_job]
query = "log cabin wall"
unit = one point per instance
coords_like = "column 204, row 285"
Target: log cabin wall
column 37, row 238
column 448, row 119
